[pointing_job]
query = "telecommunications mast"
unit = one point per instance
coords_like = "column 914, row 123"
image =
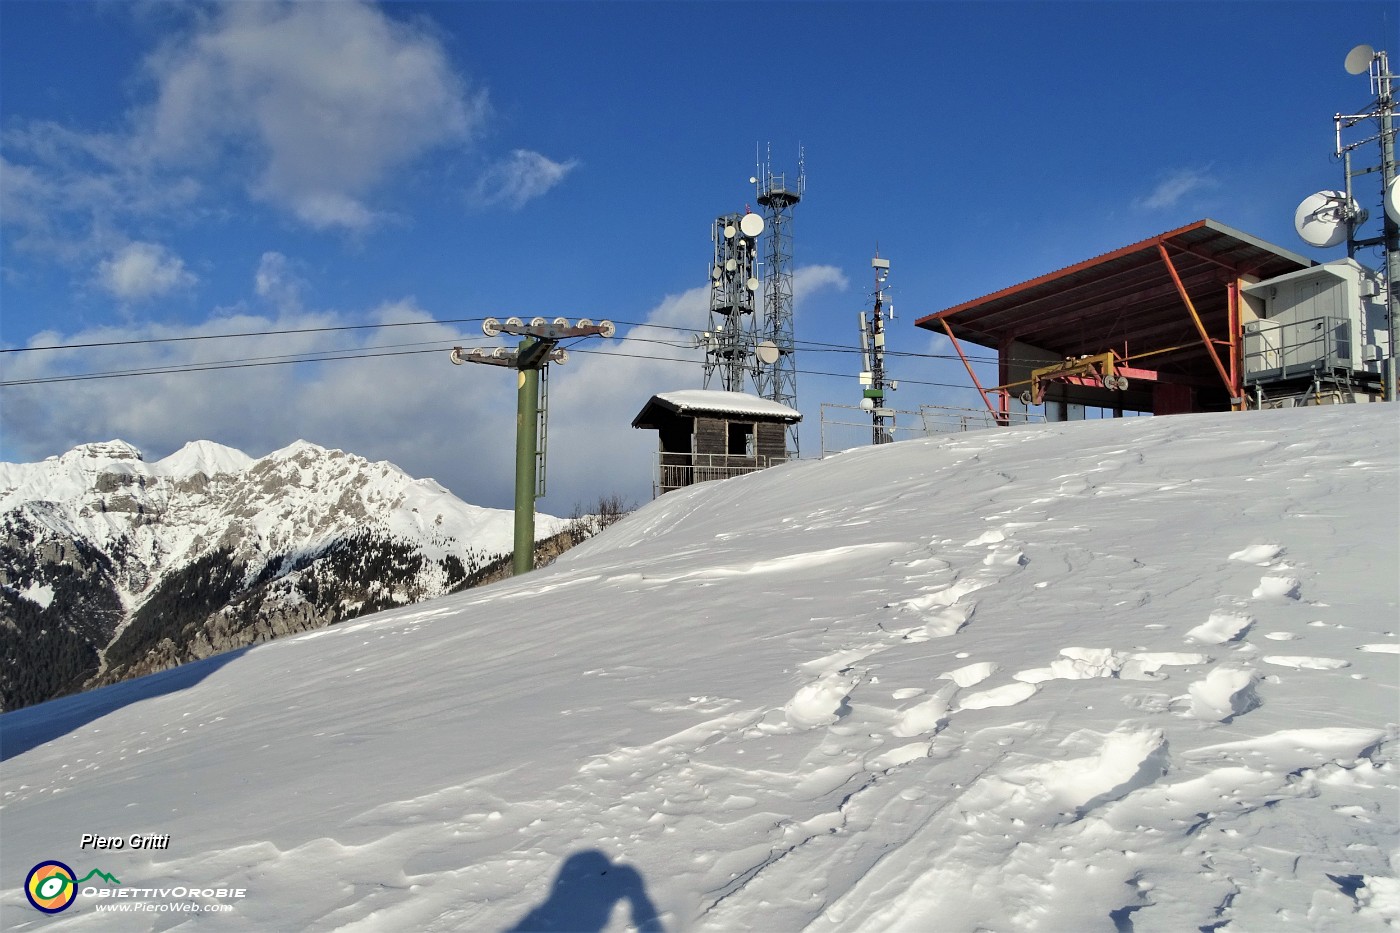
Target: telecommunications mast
column 778, row 194
column 731, row 338
column 872, row 357
column 1327, row 218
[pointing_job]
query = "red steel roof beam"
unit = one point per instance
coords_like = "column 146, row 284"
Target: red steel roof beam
column 1201, row 328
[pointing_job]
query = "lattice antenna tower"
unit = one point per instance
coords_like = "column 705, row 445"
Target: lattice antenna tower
column 732, row 335
column 778, row 195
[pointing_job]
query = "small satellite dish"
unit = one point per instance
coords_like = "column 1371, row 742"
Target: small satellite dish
column 1359, row 59
column 716, row 272
column 751, row 225
column 767, row 352
column 1321, row 220
column 1392, row 199
column 867, row 404
column 729, row 231
column 752, row 283
column 753, row 180
column 730, row 265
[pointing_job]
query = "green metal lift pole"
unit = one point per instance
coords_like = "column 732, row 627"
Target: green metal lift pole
column 527, row 412
column 536, row 350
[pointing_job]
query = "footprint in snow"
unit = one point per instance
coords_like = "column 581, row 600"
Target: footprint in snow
column 1271, row 587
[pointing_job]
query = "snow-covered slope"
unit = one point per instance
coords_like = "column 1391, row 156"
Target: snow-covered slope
column 1100, row 676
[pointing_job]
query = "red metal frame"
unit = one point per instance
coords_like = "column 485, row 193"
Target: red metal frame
column 1200, row 327
column 962, row 356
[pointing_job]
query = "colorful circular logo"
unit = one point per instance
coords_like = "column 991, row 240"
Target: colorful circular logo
column 51, row 887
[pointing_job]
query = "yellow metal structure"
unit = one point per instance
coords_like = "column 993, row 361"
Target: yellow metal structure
column 1103, row 367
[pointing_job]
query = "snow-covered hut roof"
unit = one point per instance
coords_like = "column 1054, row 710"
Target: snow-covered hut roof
column 692, row 402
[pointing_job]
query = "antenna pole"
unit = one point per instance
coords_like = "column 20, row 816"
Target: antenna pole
column 1364, row 58
column 874, row 393
column 1392, row 227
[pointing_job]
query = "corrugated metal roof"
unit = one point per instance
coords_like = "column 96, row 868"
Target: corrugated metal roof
column 1125, row 297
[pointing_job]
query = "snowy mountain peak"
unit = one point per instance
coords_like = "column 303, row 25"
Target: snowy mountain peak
column 103, row 450
column 205, row 457
column 301, row 449
column 142, row 556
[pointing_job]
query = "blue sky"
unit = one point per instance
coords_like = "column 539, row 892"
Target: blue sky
column 183, row 170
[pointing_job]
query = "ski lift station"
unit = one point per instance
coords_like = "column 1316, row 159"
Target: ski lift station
column 1205, row 317
column 1201, row 318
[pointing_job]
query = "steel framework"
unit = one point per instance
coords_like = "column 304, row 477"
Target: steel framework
column 778, row 381
column 729, row 342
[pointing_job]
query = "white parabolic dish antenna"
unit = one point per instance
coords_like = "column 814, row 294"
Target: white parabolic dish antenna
column 1392, row 199
column 751, row 225
column 767, row 352
column 1320, row 219
column 1359, row 59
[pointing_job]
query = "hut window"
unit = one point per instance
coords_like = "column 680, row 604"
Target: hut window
column 740, row 439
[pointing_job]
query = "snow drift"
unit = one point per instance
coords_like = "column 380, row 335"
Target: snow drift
column 1028, row 679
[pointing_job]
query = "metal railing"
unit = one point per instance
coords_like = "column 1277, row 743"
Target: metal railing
column 1279, row 350
column 943, row 419
column 845, row 427
column 676, row 470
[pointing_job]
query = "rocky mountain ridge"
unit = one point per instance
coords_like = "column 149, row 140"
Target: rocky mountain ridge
column 112, row 566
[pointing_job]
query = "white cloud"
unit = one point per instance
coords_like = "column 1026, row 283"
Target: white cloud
column 311, row 107
column 66, row 193
column 521, row 178
column 275, row 282
column 327, row 99
column 140, row 271
column 1175, row 187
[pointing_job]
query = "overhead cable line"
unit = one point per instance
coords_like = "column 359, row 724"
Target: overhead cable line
column 815, row 346
column 224, row 336
column 251, row 362
column 244, row 363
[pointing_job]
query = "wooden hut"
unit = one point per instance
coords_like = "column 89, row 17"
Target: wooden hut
column 707, row 434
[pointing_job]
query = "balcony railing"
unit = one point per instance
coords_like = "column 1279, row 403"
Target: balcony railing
column 676, row 471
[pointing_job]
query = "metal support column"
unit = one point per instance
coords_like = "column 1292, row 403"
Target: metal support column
column 1200, row 327
column 956, row 346
column 1237, row 399
column 527, row 414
